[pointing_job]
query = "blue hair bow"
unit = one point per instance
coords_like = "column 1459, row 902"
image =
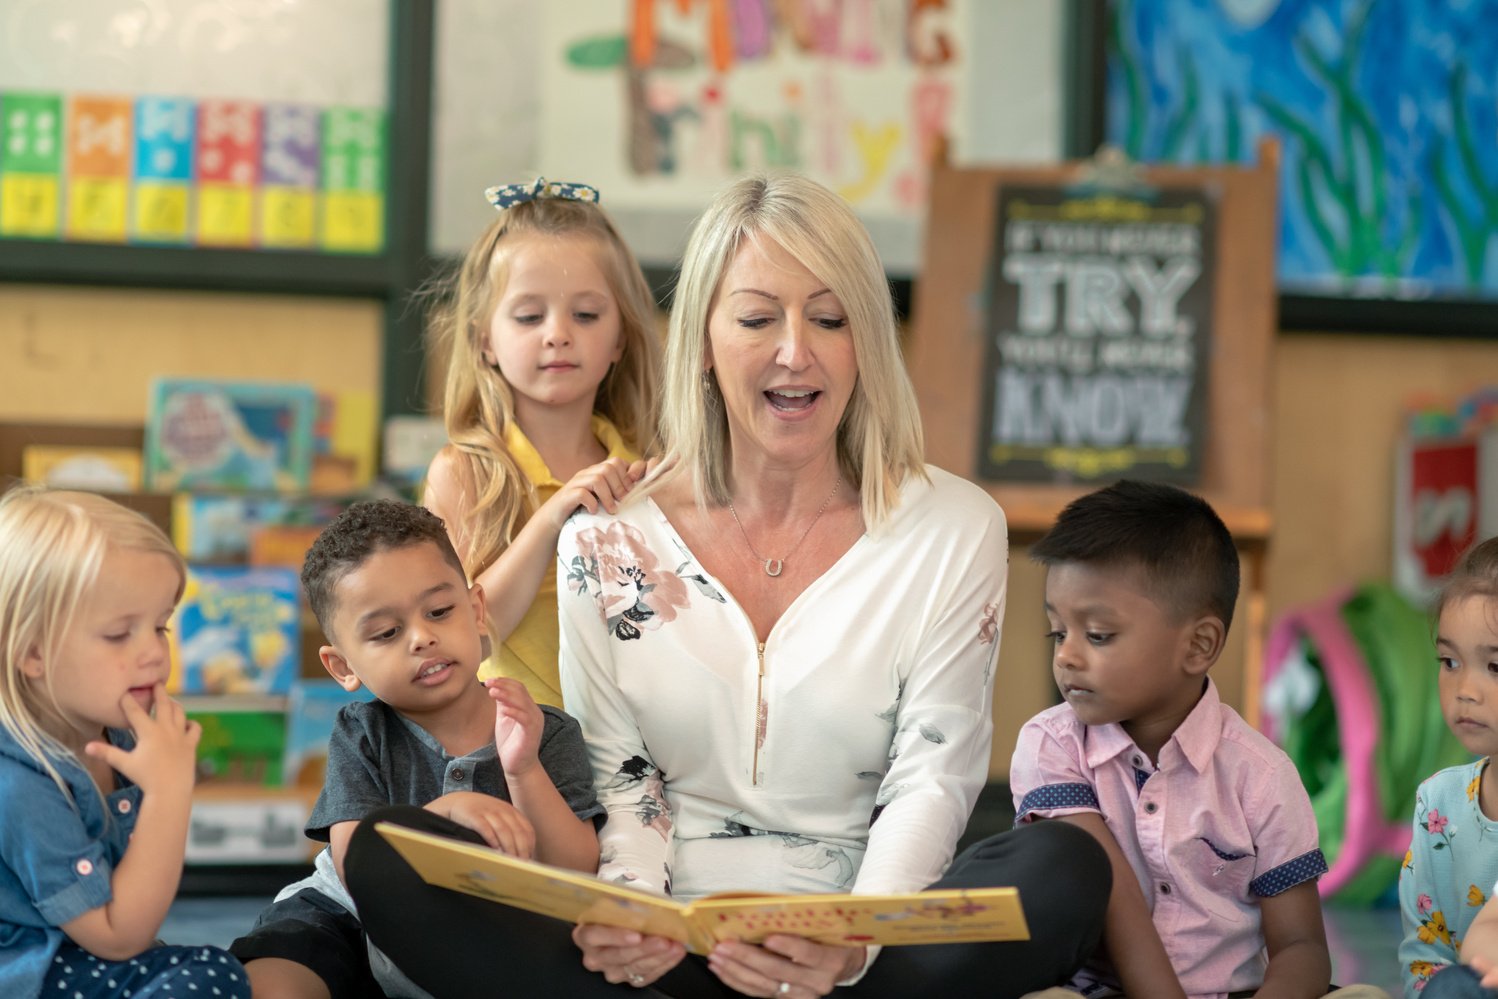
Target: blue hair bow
column 508, row 195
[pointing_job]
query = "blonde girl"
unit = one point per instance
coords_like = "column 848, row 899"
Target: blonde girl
column 96, row 762
column 553, row 353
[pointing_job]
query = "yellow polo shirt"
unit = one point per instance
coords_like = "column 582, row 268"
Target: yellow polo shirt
column 530, row 653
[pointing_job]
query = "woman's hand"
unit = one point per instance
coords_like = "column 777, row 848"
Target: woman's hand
column 498, row 822
column 603, row 485
column 166, row 746
column 784, row 966
column 625, row 956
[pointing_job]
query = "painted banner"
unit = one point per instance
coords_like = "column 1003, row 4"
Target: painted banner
column 660, row 104
column 1099, row 330
column 1385, row 110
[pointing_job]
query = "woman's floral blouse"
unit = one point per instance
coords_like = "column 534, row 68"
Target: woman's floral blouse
column 1448, row 872
column 730, row 766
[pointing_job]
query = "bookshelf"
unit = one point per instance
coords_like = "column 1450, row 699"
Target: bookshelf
column 238, row 824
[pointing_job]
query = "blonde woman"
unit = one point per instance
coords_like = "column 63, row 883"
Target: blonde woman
column 782, row 648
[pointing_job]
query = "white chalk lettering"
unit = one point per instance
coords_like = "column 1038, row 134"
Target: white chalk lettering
column 1036, row 275
column 1133, row 353
column 1160, row 291
column 1051, row 352
column 1095, row 298
column 1097, row 291
column 1051, row 408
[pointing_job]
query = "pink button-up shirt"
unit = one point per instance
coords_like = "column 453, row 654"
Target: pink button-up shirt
column 1222, row 822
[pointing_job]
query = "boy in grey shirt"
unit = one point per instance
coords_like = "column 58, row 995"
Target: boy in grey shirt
column 391, row 596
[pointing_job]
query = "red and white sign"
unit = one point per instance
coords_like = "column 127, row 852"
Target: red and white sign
column 1446, row 499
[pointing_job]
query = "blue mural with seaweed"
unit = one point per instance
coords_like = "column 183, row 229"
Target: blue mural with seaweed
column 1387, row 114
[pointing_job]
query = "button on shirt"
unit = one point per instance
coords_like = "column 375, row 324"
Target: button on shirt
column 1221, row 823
column 55, row 863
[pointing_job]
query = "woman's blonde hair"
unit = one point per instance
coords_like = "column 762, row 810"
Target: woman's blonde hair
column 52, row 545
column 477, row 402
column 879, row 440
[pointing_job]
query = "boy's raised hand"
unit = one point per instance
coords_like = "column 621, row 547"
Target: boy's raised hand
column 518, row 724
column 166, row 745
column 566, row 840
column 497, row 821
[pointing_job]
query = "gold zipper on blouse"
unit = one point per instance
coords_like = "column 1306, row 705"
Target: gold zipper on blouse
column 759, row 707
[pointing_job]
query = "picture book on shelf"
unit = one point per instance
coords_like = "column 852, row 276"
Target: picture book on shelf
column 941, row 916
column 411, row 442
column 345, row 435
column 311, row 711
column 96, row 469
column 283, row 544
column 231, row 435
column 237, row 631
column 243, row 740
column 222, row 527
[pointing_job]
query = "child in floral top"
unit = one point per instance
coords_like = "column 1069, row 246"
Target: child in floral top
column 1452, row 863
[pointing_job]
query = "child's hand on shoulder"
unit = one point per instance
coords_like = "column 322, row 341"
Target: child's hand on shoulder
column 164, row 759
column 518, row 724
column 498, row 822
column 601, row 486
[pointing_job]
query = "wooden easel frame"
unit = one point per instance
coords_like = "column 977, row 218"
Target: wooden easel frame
column 946, row 352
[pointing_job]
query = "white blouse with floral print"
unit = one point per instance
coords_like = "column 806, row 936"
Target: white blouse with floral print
column 727, row 766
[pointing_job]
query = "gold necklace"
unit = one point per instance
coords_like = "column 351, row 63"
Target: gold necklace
column 773, row 566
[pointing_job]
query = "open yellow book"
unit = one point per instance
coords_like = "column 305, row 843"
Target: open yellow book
column 953, row 916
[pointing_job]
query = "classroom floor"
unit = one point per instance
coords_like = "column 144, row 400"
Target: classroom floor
column 214, row 909
column 1362, row 940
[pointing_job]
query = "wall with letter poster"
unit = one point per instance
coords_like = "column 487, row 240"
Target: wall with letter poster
column 192, row 124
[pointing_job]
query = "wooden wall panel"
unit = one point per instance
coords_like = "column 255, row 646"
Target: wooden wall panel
column 87, row 355
column 1339, row 405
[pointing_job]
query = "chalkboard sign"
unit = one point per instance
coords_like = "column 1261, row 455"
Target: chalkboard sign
column 1099, row 328
column 952, row 324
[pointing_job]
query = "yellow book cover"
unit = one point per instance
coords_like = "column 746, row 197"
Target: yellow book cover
column 948, row 916
column 99, row 469
column 345, row 441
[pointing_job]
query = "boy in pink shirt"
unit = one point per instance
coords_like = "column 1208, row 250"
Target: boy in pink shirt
column 1210, row 831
